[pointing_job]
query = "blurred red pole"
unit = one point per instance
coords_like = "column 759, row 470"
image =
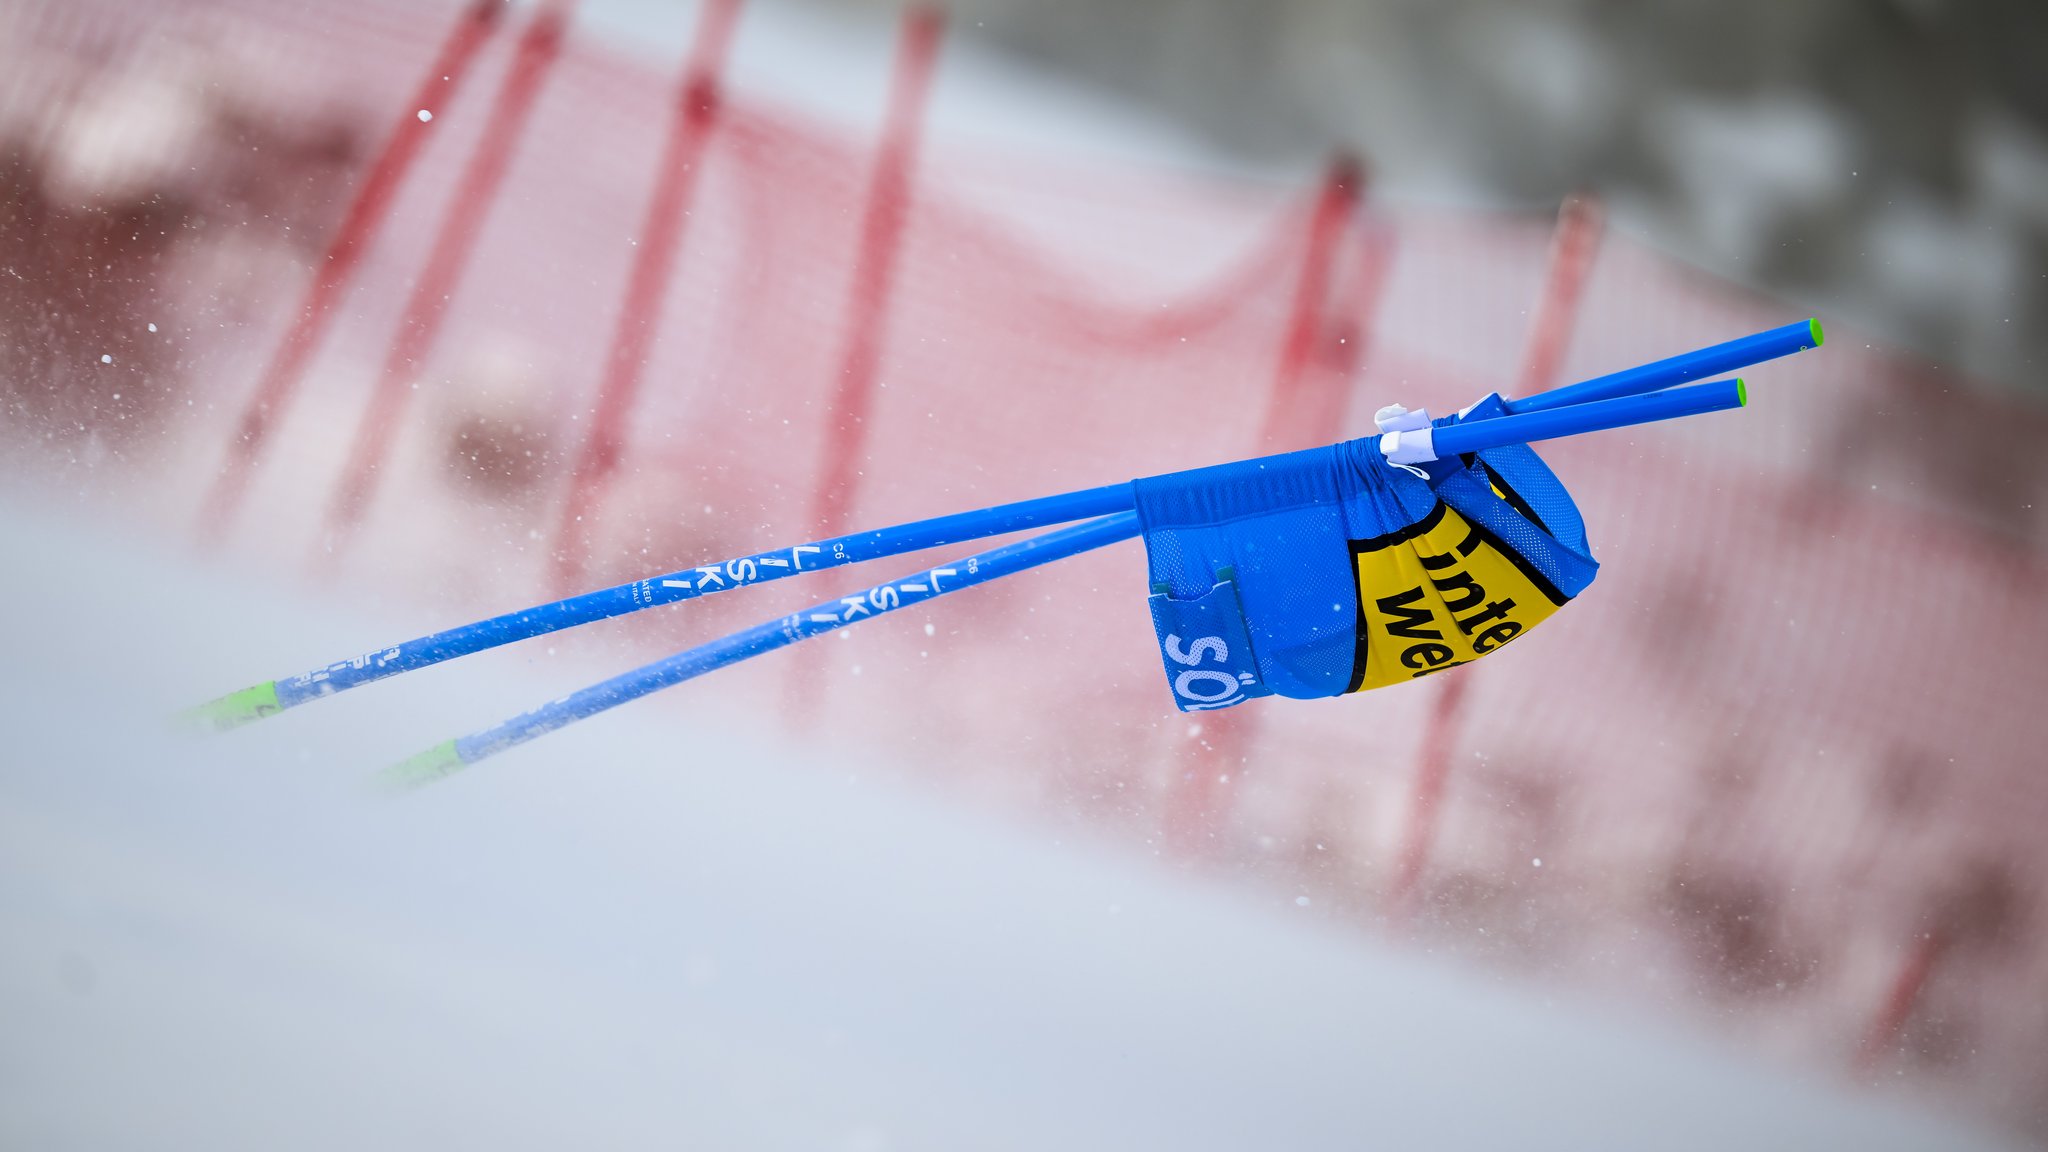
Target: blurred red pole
column 1298, row 414
column 539, row 47
column 1419, row 836
column 874, row 271
column 675, row 185
column 1294, row 417
column 1899, row 1002
column 359, row 226
column 1573, row 244
column 1348, row 345
column 867, row 306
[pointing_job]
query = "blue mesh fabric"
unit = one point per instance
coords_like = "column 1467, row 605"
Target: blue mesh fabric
column 1537, row 517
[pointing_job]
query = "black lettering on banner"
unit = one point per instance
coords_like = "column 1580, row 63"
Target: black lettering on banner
column 1496, row 636
column 1470, row 593
column 1443, row 571
column 1427, row 657
column 1411, row 619
column 1494, row 611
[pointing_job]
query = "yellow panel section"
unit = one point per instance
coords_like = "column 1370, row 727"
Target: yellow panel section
column 1441, row 594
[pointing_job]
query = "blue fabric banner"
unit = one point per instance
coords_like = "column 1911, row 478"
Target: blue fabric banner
column 1329, row 571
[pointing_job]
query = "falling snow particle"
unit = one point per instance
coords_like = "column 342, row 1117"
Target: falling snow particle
column 106, row 359
column 425, row 115
column 1538, row 862
column 1301, row 901
column 152, row 327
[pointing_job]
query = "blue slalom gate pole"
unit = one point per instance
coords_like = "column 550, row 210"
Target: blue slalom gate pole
column 273, row 696
column 1695, row 365
column 1597, row 416
column 453, row 755
column 1583, row 407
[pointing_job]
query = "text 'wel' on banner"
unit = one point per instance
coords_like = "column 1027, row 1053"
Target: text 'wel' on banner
column 1442, row 592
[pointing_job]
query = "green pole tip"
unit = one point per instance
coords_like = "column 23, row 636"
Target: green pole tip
column 1813, row 329
column 234, row 709
column 1741, row 393
column 425, row 768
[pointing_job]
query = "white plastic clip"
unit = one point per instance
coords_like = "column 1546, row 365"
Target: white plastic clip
column 1407, row 438
column 1394, row 418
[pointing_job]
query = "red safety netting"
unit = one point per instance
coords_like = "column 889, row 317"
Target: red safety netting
column 1778, row 764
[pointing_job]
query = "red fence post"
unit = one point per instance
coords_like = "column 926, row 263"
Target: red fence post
column 420, row 326
column 1350, row 342
column 1573, row 244
column 696, row 114
column 1418, row 837
column 344, row 253
column 886, row 215
column 1978, row 911
column 1294, row 418
column 1298, row 414
column 874, row 271
column 1900, row 1000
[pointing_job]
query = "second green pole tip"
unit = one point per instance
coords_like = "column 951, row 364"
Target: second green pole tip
column 424, row 768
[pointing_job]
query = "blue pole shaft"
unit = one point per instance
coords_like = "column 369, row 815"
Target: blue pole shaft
column 1568, row 405
column 273, row 696
column 1696, row 365
column 1599, row 415
column 453, row 755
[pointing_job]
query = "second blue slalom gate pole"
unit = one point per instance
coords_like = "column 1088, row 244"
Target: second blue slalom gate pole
column 272, row 696
column 1597, row 416
column 1695, row 365
column 453, row 755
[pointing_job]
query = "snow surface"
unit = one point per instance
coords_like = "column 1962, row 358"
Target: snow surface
column 640, row 932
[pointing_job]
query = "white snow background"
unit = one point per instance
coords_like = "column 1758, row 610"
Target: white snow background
column 639, row 933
